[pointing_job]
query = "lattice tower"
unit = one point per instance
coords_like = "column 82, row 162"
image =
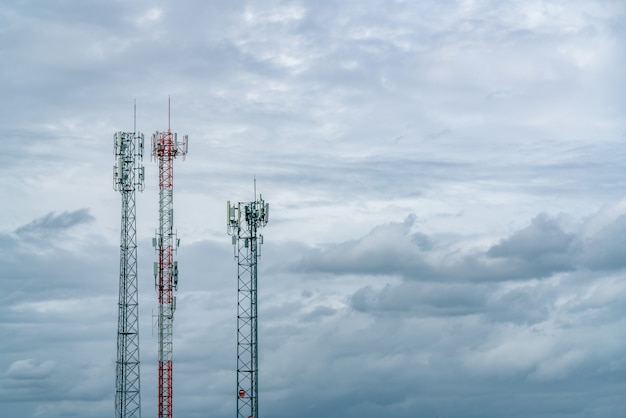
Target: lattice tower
column 128, row 176
column 244, row 220
column 165, row 148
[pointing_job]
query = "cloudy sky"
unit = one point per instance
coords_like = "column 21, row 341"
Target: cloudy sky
column 446, row 181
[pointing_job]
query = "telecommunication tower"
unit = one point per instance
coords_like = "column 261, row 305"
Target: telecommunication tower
column 244, row 220
column 165, row 148
column 128, row 176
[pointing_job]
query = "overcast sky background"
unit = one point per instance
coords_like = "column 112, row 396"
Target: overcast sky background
column 447, row 231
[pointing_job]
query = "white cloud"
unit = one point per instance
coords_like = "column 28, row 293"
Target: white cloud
column 150, row 17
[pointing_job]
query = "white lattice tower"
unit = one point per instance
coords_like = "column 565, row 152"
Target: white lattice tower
column 128, row 176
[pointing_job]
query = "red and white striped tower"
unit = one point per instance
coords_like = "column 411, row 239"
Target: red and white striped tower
column 165, row 148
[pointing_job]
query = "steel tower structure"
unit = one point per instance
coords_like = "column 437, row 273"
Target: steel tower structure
column 244, row 220
column 165, row 148
column 128, row 176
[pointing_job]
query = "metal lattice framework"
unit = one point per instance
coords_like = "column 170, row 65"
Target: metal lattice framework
column 165, row 148
column 244, row 220
column 128, row 176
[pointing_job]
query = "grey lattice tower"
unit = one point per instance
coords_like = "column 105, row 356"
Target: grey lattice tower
column 244, row 220
column 128, row 176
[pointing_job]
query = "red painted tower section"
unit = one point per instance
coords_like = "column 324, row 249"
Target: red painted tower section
column 165, row 148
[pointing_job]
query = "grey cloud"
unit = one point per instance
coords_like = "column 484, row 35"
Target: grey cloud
column 53, row 223
column 539, row 250
column 606, row 249
column 522, row 305
column 492, row 303
column 374, row 175
column 58, row 307
column 544, row 237
column 424, row 299
column 319, row 313
column 387, row 249
column 546, row 245
column 394, row 249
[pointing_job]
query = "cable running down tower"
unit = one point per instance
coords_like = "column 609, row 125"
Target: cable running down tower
column 243, row 221
column 165, row 148
column 128, row 176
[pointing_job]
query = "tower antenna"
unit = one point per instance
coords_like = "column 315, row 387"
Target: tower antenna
column 165, row 148
column 243, row 222
column 128, row 176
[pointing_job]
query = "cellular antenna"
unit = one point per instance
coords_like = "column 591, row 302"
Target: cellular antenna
column 128, row 176
column 243, row 222
column 165, row 148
